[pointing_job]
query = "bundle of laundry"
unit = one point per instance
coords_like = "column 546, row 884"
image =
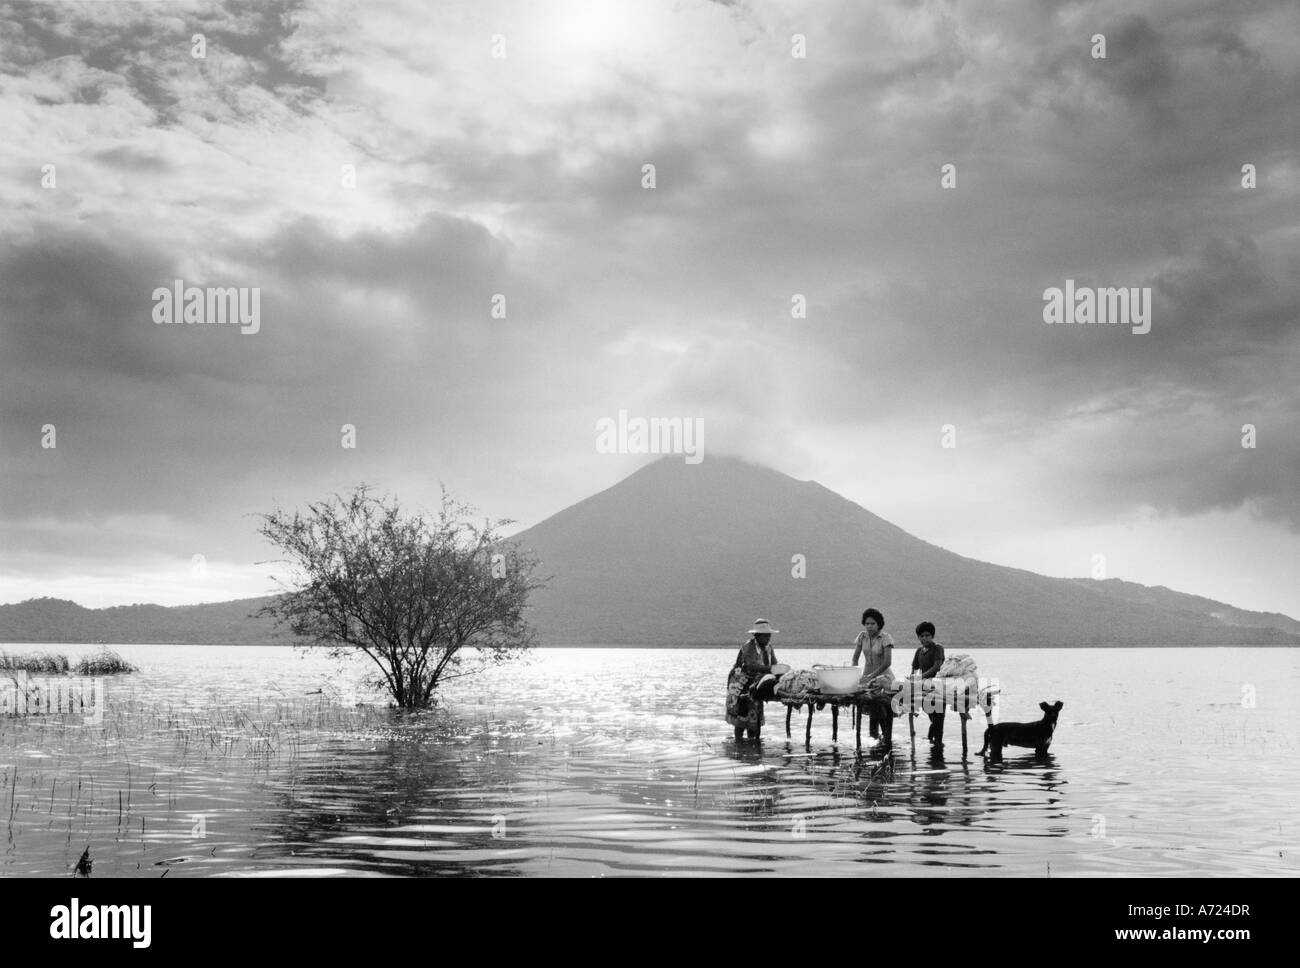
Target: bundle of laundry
column 798, row 685
column 959, row 682
column 957, row 667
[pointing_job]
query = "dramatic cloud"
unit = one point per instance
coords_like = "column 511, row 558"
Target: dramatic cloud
column 381, row 177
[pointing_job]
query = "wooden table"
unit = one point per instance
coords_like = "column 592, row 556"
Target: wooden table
column 907, row 697
column 857, row 705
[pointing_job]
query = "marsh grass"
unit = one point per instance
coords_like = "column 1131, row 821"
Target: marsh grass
column 136, row 769
column 44, row 663
column 102, row 663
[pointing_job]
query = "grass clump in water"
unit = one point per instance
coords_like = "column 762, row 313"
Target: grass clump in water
column 102, row 663
column 40, row 662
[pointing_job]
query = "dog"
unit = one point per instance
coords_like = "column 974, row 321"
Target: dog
column 1037, row 735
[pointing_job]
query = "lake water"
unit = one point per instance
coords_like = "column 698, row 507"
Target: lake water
column 226, row 761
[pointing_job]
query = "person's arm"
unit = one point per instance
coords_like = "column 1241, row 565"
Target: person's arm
column 936, row 663
column 857, row 650
column 916, row 660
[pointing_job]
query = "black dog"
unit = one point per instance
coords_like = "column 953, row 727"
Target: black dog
column 1037, row 735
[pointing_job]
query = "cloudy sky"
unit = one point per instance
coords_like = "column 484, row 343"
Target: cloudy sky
column 522, row 175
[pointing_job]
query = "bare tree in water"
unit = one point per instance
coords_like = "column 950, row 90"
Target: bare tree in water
column 426, row 598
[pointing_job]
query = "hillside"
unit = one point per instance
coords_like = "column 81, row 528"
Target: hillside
column 58, row 620
column 680, row 554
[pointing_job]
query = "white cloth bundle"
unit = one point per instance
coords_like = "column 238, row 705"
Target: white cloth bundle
column 797, row 683
column 957, row 667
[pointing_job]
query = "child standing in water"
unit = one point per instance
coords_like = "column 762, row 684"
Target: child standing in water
column 877, row 647
column 926, row 663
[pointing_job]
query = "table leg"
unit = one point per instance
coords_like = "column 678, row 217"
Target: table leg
column 807, row 734
column 964, row 717
column 835, row 724
column 788, row 710
column 911, row 726
column 857, row 715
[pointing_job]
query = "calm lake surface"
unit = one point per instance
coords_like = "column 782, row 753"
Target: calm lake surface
column 226, row 761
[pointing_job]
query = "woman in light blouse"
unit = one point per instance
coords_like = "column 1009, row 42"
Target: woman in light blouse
column 877, row 647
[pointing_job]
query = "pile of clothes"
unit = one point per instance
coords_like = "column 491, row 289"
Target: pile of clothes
column 957, row 681
column 798, row 685
column 957, row 667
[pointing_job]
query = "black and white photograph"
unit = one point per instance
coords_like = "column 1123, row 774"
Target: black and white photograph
column 651, row 439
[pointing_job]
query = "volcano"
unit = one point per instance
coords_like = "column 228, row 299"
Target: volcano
column 689, row 554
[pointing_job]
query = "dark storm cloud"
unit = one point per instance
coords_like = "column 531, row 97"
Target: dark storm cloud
column 522, row 177
column 1140, row 68
column 147, row 43
column 130, row 159
column 1031, row 217
column 440, row 252
column 85, row 355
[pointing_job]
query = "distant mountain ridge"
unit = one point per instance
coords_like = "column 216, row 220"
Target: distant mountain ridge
column 679, row 554
column 59, row 620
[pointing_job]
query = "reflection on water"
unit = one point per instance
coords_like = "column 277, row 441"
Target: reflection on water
column 255, row 761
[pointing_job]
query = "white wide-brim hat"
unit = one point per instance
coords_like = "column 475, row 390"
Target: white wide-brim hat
column 761, row 626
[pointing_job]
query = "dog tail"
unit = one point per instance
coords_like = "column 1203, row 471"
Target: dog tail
column 985, row 747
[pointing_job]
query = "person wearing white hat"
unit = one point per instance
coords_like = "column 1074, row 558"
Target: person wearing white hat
column 754, row 661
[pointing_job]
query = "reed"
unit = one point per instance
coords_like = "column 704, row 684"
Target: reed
column 44, row 663
column 102, row 663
